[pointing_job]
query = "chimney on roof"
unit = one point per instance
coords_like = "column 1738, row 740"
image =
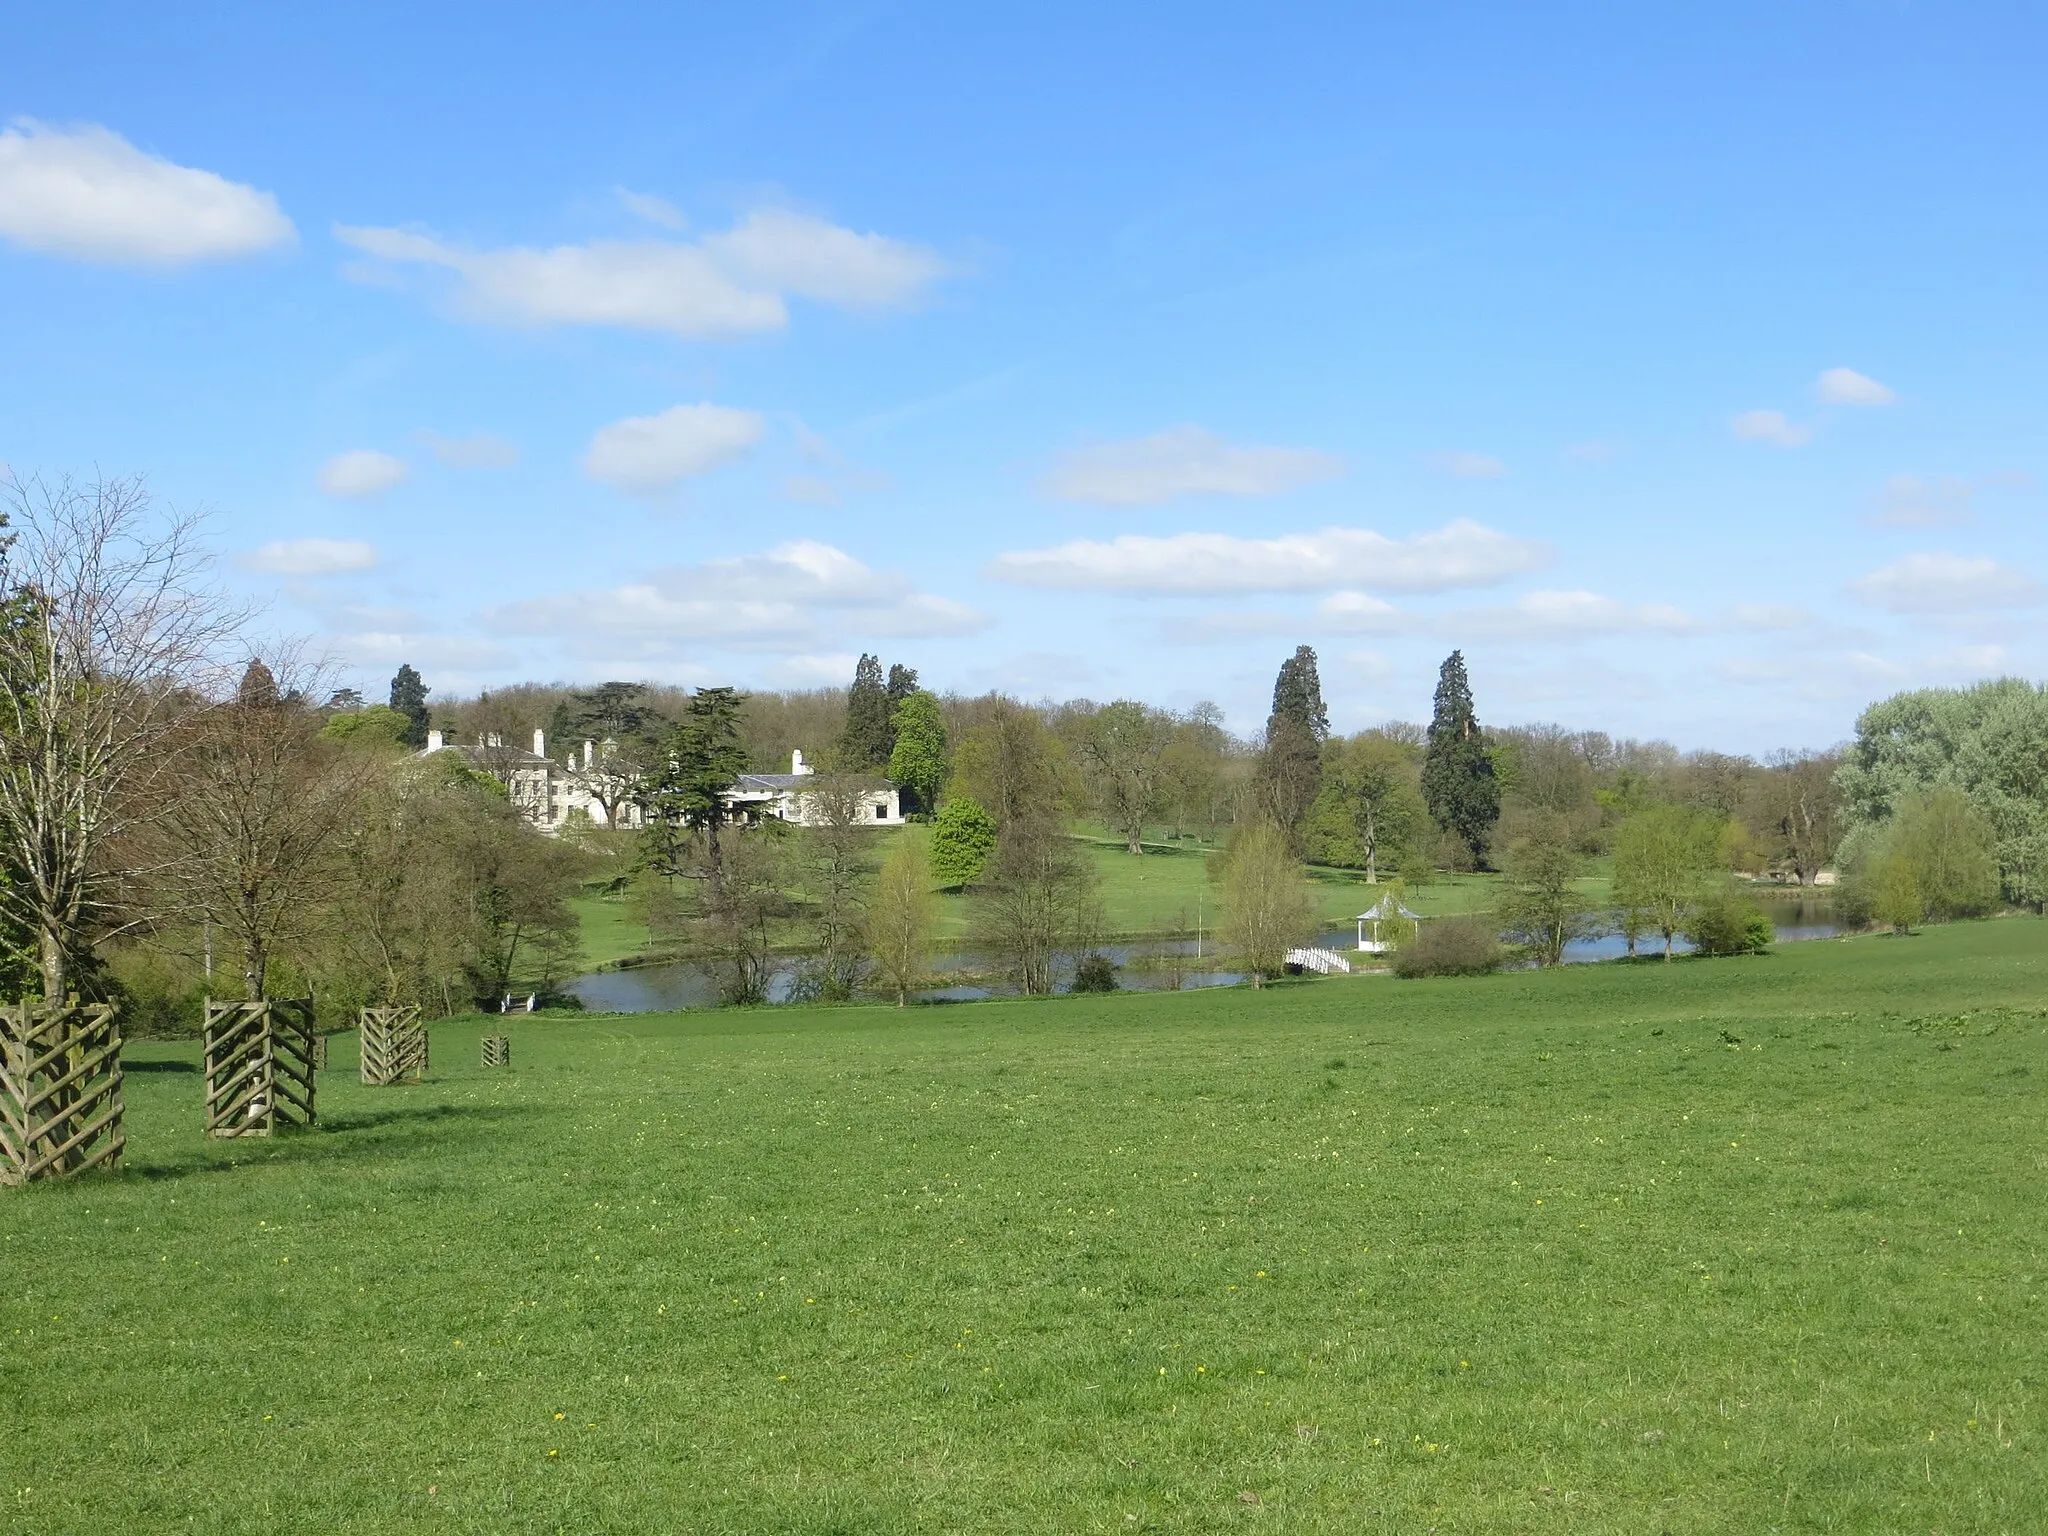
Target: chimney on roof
column 588, row 750
column 433, row 741
column 540, row 743
column 797, row 766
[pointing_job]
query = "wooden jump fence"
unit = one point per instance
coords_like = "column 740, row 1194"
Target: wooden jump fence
column 394, row 1044
column 259, row 1066
column 60, row 1090
column 497, row 1050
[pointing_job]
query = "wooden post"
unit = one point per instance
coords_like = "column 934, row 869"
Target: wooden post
column 259, row 1066
column 497, row 1051
column 394, row 1044
column 319, row 1052
column 60, row 1090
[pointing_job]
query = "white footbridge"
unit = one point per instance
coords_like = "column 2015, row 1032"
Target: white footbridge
column 1325, row 962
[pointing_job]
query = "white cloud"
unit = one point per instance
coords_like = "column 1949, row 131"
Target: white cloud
column 645, row 454
column 655, row 210
column 361, row 474
column 312, row 557
column 727, row 284
column 1469, row 466
column 1937, row 582
column 388, row 648
column 1181, row 461
column 1845, row 386
column 479, row 450
column 1911, row 502
column 87, row 192
column 794, row 253
column 795, row 597
column 1462, row 554
column 1557, row 614
column 1770, row 427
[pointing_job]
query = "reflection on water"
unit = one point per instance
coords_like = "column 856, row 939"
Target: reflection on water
column 1163, row 965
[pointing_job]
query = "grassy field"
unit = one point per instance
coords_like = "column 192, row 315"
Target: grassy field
column 1695, row 1248
column 1165, row 887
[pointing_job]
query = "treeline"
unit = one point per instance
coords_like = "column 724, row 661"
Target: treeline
column 179, row 817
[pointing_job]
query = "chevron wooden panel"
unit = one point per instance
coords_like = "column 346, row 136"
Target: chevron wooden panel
column 60, row 1090
column 497, row 1051
column 394, row 1044
column 259, row 1066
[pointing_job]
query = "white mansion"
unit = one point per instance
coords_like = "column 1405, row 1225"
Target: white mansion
column 550, row 793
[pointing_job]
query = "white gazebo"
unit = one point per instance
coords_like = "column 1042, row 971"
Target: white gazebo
column 1386, row 910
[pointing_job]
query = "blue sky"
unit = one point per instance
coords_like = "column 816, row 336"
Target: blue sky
column 1684, row 365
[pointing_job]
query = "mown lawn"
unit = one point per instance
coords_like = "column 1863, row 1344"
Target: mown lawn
column 1163, row 890
column 1699, row 1248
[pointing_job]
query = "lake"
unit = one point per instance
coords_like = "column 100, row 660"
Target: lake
column 1153, row 965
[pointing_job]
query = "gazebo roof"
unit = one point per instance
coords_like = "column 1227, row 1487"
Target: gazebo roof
column 1379, row 912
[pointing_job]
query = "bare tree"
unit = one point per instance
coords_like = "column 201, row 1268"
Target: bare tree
column 107, row 626
column 260, row 803
column 835, row 864
column 1037, row 901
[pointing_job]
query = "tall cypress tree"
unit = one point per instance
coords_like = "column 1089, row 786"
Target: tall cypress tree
column 1298, row 695
column 1457, row 771
column 409, row 697
column 864, row 743
column 1290, row 771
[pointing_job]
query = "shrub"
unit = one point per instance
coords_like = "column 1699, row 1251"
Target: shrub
column 1095, row 973
column 1726, row 923
column 963, row 837
column 1450, row 946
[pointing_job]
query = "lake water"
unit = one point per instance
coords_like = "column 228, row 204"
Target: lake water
column 1145, row 967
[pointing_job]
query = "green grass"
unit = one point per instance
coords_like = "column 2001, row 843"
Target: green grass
column 1734, row 1246
column 611, row 927
column 1163, row 888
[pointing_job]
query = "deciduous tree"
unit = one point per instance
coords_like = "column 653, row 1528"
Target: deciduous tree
column 107, row 628
column 1267, row 908
column 919, row 761
column 903, row 916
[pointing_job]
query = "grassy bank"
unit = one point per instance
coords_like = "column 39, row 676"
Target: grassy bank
column 1156, row 892
column 1703, row 1247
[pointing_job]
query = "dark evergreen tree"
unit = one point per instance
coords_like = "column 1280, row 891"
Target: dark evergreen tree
column 613, row 712
column 1457, row 771
column 705, row 758
column 1298, row 695
column 258, row 688
column 902, row 684
column 1290, row 770
column 409, row 697
column 865, row 742
column 561, row 728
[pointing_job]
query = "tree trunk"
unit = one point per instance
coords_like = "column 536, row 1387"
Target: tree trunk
column 53, row 967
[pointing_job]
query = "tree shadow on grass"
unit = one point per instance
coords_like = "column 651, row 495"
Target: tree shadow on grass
column 336, row 1139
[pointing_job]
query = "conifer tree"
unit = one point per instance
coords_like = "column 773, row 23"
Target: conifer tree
column 409, row 697
column 865, row 741
column 1290, row 770
column 1457, row 772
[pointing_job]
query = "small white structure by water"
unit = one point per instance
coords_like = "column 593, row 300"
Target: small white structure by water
column 1325, row 962
column 1386, row 910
